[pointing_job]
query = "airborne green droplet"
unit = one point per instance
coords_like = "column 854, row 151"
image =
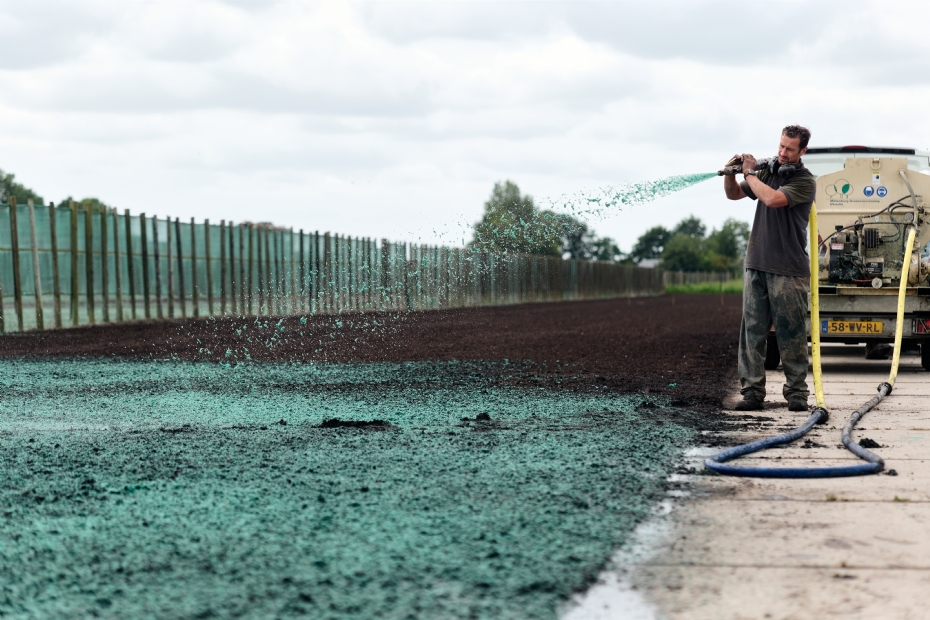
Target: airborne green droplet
column 633, row 194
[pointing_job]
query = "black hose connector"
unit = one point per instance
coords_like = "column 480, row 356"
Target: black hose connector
column 824, row 415
column 886, row 385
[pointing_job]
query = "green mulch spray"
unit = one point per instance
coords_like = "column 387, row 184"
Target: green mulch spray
column 168, row 489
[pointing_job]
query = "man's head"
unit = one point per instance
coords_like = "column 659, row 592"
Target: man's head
column 793, row 144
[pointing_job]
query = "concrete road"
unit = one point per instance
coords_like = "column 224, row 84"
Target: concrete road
column 850, row 547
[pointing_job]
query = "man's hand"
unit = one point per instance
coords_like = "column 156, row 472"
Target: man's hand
column 749, row 162
column 736, row 160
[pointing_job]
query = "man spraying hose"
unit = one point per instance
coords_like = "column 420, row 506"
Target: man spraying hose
column 777, row 276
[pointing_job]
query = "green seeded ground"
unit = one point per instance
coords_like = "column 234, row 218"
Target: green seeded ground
column 167, row 489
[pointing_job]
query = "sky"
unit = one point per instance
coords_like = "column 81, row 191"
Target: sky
column 395, row 119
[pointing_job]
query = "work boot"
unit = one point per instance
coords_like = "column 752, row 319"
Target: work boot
column 749, row 403
column 797, row 403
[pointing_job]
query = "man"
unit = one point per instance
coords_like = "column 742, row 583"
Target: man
column 777, row 277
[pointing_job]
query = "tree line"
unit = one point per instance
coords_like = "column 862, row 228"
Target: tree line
column 512, row 223
column 9, row 187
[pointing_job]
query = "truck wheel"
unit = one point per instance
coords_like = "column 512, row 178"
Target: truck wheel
column 772, row 357
column 925, row 355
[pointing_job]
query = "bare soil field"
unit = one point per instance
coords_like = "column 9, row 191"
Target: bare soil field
column 680, row 345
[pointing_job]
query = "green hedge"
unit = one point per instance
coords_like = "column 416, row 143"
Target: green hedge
column 730, row 286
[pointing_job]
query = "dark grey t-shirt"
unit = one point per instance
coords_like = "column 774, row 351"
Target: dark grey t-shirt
column 779, row 238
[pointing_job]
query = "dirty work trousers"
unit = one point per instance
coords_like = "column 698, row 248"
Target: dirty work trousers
column 770, row 299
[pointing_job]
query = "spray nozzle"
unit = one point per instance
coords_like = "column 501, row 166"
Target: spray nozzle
column 735, row 166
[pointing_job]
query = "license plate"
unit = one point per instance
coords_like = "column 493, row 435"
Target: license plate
column 852, row 327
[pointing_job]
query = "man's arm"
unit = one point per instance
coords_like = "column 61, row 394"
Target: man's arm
column 732, row 188
column 773, row 198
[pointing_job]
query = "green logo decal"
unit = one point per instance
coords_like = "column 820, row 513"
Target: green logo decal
column 840, row 189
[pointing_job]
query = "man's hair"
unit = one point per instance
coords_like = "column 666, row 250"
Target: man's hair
column 796, row 131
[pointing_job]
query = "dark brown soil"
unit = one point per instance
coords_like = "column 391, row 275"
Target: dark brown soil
column 683, row 346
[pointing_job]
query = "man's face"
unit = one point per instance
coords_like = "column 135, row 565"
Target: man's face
column 789, row 150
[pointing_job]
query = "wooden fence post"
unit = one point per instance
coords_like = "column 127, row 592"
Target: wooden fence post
column 313, row 293
column 327, row 273
column 17, row 284
column 157, row 255
column 364, row 271
column 261, row 274
column 277, row 280
column 36, row 276
column 250, row 271
column 206, row 249
column 104, row 265
column 195, row 284
column 223, row 267
column 170, row 258
column 182, row 297
column 357, row 273
column 146, row 290
column 385, row 262
column 242, row 279
column 75, row 293
column 293, row 278
column 345, row 268
column 56, row 277
column 269, row 288
column 130, row 264
column 303, row 274
column 89, row 261
column 232, row 268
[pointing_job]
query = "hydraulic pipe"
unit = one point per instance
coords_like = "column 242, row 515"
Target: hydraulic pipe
column 902, row 295
column 815, row 312
column 913, row 195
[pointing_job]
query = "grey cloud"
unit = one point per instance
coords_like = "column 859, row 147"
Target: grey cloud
column 227, row 90
column 193, row 47
column 712, row 31
column 38, row 34
column 412, row 22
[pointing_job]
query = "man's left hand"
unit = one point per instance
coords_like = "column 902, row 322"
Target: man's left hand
column 749, row 162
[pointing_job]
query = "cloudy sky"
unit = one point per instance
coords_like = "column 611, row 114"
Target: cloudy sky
column 394, row 119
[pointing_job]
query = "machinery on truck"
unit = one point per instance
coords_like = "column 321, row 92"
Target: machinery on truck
column 867, row 199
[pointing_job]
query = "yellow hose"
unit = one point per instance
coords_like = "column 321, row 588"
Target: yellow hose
column 902, row 292
column 815, row 310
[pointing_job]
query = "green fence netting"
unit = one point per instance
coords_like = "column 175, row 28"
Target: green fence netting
column 114, row 266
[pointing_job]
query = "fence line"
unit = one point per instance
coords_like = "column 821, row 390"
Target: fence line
column 109, row 260
column 680, row 278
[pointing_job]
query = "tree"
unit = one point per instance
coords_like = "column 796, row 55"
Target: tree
column 691, row 227
column 684, row 253
column 575, row 239
column 650, row 244
column 730, row 241
column 688, row 250
column 9, row 187
column 90, row 204
column 605, row 249
column 512, row 224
